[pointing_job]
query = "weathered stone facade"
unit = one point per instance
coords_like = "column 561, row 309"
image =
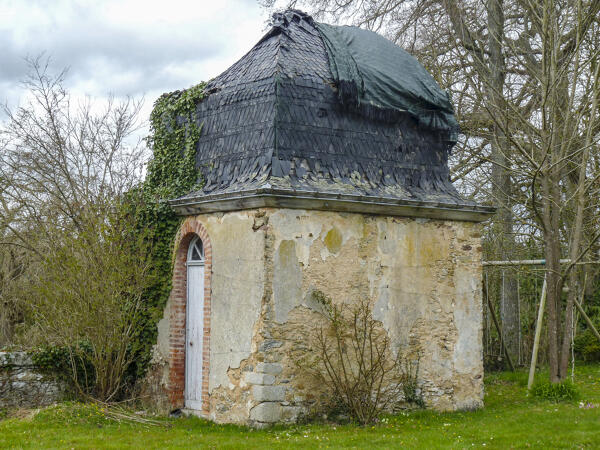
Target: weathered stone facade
column 421, row 276
column 23, row 385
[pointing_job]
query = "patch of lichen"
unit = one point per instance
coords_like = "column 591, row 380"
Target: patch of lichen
column 333, row 240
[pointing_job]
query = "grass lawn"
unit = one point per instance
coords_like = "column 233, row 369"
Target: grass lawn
column 509, row 420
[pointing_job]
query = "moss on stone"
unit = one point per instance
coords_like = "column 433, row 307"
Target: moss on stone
column 333, row 240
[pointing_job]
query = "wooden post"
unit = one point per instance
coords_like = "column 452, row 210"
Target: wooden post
column 538, row 333
column 587, row 319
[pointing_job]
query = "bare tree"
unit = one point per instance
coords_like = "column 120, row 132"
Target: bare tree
column 523, row 76
column 71, row 255
column 459, row 54
column 60, row 156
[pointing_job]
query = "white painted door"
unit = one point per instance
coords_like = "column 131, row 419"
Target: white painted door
column 194, row 327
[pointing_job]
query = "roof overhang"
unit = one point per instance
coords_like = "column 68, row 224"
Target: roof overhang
column 281, row 198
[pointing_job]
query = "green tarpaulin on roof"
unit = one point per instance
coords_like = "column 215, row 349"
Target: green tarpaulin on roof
column 379, row 78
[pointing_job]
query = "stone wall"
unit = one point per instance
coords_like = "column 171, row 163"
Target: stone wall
column 422, row 278
column 23, row 385
column 237, row 285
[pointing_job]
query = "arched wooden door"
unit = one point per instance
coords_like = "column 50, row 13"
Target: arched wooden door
column 194, row 332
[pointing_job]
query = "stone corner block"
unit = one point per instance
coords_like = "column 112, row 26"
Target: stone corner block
column 291, row 413
column 268, row 393
column 259, row 378
column 266, row 412
column 269, row 368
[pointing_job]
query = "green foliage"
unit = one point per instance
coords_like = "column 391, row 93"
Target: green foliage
column 558, row 392
column 587, row 346
column 172, row 172
column 57, row 361
column 88, row 296
column 173, row 137
column 410, row 385
column 51, row 359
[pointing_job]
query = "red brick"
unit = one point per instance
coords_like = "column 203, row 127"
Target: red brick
column 190, row 227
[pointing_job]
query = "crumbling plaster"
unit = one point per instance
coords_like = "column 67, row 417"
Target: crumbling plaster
column 421, row 276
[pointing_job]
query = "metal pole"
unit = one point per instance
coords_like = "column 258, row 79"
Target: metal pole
column 519, row 312
column 532, row 262
column 538, row 333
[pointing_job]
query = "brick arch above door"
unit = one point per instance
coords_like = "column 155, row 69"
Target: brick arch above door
column 190, row 228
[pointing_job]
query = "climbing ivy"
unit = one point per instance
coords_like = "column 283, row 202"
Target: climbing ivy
column 174, row 133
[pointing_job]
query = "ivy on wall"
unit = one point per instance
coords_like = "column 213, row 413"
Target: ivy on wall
column 174, row 133
column 173, row 137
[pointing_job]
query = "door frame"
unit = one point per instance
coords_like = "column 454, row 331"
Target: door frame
column 193, row 262
column 190, row 229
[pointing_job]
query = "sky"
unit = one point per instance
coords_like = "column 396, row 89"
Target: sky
column 125, row 47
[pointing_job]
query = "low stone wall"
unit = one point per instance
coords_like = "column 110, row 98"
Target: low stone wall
column 23, row 385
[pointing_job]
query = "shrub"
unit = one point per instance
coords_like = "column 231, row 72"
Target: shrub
column 557, row 392
column 587, row 346
column 74, row 266
column 351, row 355
column 87, row 300
column 62, row 363
column 410, row 386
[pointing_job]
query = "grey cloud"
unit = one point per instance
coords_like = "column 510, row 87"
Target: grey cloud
column 82, row 51
column 118, row 60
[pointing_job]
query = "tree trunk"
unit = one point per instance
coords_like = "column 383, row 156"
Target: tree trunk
column 568, row 328
column 553, row 275
column 501, row 180
column 577, row 237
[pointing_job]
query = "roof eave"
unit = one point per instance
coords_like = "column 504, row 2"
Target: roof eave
column 281, row 198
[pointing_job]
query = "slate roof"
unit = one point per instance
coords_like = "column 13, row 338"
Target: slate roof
column 272, row 124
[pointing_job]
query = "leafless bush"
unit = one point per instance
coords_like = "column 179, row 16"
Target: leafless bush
column 352, row 356
column 61, row 156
